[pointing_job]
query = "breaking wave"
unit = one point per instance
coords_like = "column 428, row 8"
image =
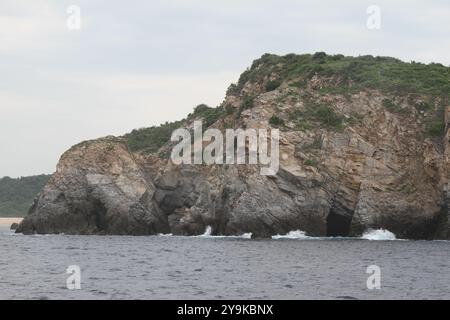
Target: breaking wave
column 379, row 234
column 208, row 231
column 292, row 235
column 208, row 234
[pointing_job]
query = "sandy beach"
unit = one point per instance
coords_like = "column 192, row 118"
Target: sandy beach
column 9, row 221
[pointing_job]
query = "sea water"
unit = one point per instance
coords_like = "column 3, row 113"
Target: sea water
column 292, row 266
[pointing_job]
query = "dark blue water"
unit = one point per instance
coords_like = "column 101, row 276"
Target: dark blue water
column 118, row 267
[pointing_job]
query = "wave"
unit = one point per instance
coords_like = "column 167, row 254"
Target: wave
column 208, row 234
column 301, row 235
column 292, row 235
column 379, row 234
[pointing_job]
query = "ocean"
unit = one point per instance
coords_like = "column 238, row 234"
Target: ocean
column 293, row 266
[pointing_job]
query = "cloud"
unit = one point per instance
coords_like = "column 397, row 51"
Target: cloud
column 38, row 127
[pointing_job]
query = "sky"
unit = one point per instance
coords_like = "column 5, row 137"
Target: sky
column 134, row 64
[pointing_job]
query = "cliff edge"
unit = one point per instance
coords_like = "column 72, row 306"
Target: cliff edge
column 364, row 144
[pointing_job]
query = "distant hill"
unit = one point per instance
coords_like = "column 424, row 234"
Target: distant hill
column 17, row 195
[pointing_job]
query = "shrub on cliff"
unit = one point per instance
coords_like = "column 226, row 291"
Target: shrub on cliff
column 208, row 115
column 151, row 139
column 248, row 103
column 383, row 73
column 276, row 121
column 272, row 85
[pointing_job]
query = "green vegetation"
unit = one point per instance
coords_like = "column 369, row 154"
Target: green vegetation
column 200, row 109
column 310, row 162
column 435, row 125
column 233, row 89
column 17, row 195
column 208, row 114
column 383, row 73
column 303, row 125
column 316, row 112
column 327, row 116
column 151, row 139
column 272, row 85
column 248, row 103
column 276, row 121
column 421, row 83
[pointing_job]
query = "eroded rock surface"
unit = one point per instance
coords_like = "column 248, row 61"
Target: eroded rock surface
column 374, row 167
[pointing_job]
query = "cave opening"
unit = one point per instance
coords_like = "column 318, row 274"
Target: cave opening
column 99, row 212
column 338, row 225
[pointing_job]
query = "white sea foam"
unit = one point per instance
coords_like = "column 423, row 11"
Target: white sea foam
column 292, row 235
column 208, row 232
column 379, row 234
column 247, row 235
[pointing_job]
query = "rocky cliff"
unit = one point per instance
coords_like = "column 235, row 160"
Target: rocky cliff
column 364, row 143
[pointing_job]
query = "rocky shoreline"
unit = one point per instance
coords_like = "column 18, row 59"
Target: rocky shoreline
column 349, row 162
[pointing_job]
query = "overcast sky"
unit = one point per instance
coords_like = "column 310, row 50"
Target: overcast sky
column 139, row 63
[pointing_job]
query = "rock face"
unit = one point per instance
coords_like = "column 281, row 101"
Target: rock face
column 14, row 226
column 98, row 188
column 349, row 162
